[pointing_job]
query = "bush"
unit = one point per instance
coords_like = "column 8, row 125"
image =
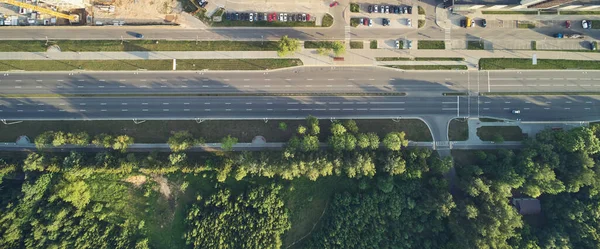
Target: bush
column 354, row 7
column 287, row 46
column 373, row 44
column 421, row 23
column 327, row 20
column 356, row 45
column 354, row 22
column 421, row 10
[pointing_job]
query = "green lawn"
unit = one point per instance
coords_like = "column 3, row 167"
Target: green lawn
column 421, row 23
column 595, row 24
column 354, row 7
column 508, row 133
column 570, row 12
column 392, row 59
column 475, row 45
column 211, row 130
column 427, row 44
column 515, row 63
column 158, row 65
column 319, row 44
column 327, row 20
column 429, row 67
column 458, row 130
column 533, row 45
column 373, row 44
column 508, row 12
column 357, row 45
column 354, row 22
column 525, row 25
column 138, row 45
column 421, row 10
column 490, row 120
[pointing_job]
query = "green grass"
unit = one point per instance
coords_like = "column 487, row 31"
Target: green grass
column 458, row 130
column 357, row 45
column 421, row 23
column 533, row 45
column 429, row 67
column 231, row 23
column 354, row 22
column 307, row 201
column 392, row 59
column 571, row 12
column 319, row 44
column 525, row 25
column 421, row 10
column 500, row 12
column 211, row 130
column 475, row 45
column 516, row 63
column 158, row 65
column 595, row 24
column 373, row 44
column 354, row 7
column 137, row 45
column 490, row 120
column 327, row 20
column 509, row 133
column 419, row 59
column 455, row 94
column 425, row 44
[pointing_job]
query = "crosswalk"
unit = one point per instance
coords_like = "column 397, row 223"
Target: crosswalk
column 347, row 34
column 448, row 38
column 442, row 145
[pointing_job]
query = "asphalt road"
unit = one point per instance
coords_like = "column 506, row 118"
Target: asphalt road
column 241, row 33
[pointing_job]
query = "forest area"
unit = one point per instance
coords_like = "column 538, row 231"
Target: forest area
column 352, row 194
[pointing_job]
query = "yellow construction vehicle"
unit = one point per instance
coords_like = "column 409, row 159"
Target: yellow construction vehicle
column 73, row 18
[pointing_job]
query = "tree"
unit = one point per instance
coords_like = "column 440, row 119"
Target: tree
column 394, row 163
column 228, row 142
column 497, row 138
column 337, row 129
column 180, row 141
column 282, row 126
column 177, row 158
column 79, row 138
column 44, row 139
column 287, row 46
column 60, row 138
column 362, row 141
column 385, row 184
column 351, row 126
column 395, row 140
column 76, row 193
column 374, row 140
column 103, row 140
column 122, row 142
column 338, row 48
column 301, row 130
column 309, row 143
column 323, row 51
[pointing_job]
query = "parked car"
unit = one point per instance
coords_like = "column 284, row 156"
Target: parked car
column 370, row 8
column 237, row 16
column 375, row 9
column 361, row 21
column 334, row 4
column 463, row 23
column 370, row 22
column 404, row 10
column 396, row 9
column 285, row 17
column 409, row 22
column 251, row 17
column 387, row 9
column 281, row 17
column 139, row 36
column 292, row 18
column 585, row 24
column 409, row 9
column 408, row 44
column 568, row 24
column 483, row 23
column 516, row 111
column 308, row 17
column 397, row 44
column 365, row 22
column 385, row 22
column 299, row 17
column 593, row 45
column 203, row 4
column 304, row 17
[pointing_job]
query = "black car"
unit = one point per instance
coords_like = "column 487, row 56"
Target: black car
column 409, row 9
column 370, row 8
column 204, row 4
column 236, row 16
column 483, row 23
column 463, row 23
column 385, row 22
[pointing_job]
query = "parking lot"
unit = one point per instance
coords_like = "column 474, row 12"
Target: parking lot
column 396, row 20
column 562, row 44
column 316, row 8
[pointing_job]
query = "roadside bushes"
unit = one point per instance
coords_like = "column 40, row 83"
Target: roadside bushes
column 60, row 138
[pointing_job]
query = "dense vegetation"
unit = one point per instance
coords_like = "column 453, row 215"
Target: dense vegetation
column 401, row 197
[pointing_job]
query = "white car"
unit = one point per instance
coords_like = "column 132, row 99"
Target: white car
column 361, row 21
column 285, row 17
column 516, row 111
column 409, row 44
column 281, row 17
column 409, row 22
column 397, row 44
column 370, row 22
column 251, row 17
column 585, row 24
column 387, row 9
column 375, row 9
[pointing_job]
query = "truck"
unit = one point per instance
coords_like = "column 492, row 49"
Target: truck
column 570, row 36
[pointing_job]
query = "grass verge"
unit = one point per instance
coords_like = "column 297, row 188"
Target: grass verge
column 153, row 131
column 500, row 12
column 319, row 44
column 525, row 25
column 490, row 120
column 533, row 45
column 354, row 7
column 158, row 65
column 393, row 59
column 425, row 44
column 421, row 23
column 454, row 94
column 458, row 130
column 419, row 59
column 137, row 45
column 421, row 10
column 475, row 45
column 580, row 12
column 357, row 45
column 508, row 133
column 354, row 22
column 517, row 63
column 327, row 20
column 595, row 24
column 373, row 44
column 429, row 67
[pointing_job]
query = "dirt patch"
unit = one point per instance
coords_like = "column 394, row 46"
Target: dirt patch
column 163, row 185
column 137, row 181
column 140, row 10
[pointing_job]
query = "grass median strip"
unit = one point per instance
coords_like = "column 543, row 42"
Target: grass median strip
column 425, row 44
column 500, row 133
column 419, row 59
column 137, row 45
column 429, row 67
column 500, row 12
column 458, row 130
column 475, row 45
column 357, row 45
column 517, row 63
column 158, row 65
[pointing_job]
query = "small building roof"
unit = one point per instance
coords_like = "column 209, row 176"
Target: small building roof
column 527, row 206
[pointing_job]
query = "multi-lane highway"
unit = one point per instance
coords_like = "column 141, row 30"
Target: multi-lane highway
column 423, row 95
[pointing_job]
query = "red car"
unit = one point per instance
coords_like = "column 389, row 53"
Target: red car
column 568, row 24
column 333, row 4
column 272, row 17
column 366, row 22
column 308, row 17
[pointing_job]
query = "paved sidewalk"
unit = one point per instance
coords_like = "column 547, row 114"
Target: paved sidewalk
column 353, row 57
